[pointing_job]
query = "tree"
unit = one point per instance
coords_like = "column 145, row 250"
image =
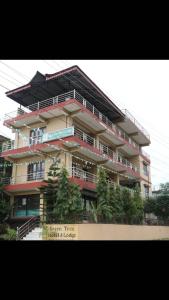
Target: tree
column 138, row 201
column 101, row 209
column 50, row 191
column 162, row 207
column 63, row 198
column 4, row 204
column 69, row 203
column 116, row 203
column 149, row 205
column 128, row 205
column 164, row 188
column 120, row 214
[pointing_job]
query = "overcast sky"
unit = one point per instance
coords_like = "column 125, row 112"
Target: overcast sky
column 141, row 86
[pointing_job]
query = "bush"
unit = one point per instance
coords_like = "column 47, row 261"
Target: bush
column 9, row 234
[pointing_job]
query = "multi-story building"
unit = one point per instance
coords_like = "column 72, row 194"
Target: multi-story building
column 66, row 115
column 5, row 167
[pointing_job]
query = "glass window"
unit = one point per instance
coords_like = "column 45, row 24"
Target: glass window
column 35, row 171
column 36, row 136
column 26, row 205
column 145, row 169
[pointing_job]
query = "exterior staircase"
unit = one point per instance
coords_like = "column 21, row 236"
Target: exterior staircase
column 35, row 234
column 30, row 230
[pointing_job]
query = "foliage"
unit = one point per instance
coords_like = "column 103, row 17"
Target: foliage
column 129, row 206
column 149, row 205
column 139, row 205
column 116, row 203
column 62, row 198
column 7, row 233
column 162, row 207
column 101, row 209
column 50, row 191
column 69, row 203
column 4, row 204
column 164, row 188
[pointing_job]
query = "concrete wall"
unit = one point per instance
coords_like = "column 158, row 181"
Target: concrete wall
column 121, row 232
column 104, row 232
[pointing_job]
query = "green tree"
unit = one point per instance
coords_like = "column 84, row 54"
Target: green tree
column 138, row 201
column 128, row 205
column 63, row 198
column 120, row 214
column 4, row 204
column 162, row 207
column 101, row 209
column 149, row 205
column 164, row 188
column 50, row 191
column 69, row 203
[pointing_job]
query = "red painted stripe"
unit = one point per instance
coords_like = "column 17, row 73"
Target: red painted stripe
column 24, row 186
column 18, row 89
column 37, row 112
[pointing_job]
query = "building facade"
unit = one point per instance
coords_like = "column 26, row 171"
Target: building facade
column 65, row 115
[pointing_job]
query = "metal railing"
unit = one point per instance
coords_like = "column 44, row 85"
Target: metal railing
column 84, row 137
column 73, row 95
column 127, row 163
column 81, row 174
column 139, row 126
column 145, row 154
column 27, row 227
column 24, row 178
column 107, row 151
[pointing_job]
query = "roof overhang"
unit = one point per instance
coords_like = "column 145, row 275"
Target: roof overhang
column 42, row 87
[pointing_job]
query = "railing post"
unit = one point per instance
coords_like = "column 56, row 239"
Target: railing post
column 74, row 94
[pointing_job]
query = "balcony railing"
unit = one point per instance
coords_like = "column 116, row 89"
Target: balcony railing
column 139, row 126
column 107, row 151
column 127, row 163
column 81, row 174
column 84, row 137
column 144, row 153
column 35, row 176
column 73, row 172
column 73, row 95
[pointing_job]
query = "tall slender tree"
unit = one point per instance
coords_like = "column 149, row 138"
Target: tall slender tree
column 102, row 210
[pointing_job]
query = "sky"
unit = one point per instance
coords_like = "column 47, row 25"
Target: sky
column 140, row 86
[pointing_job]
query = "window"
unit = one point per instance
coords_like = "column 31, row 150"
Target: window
column 145, row 169
column 36, row 136
column 27, row 205
column 36, row 171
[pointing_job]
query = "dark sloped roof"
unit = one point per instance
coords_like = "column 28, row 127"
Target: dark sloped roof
column 42, row 87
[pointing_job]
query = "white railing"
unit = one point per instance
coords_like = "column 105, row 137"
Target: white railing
column 144, row 153
column 67, row 96
column 26, row 142
column 35, row 176
column 127, row 163
column 85, row 137
column 107, row 151
column 139, row 126
column 81, row 174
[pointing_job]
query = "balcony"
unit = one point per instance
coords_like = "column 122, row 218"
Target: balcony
column 21, row 183
column 79, row 108
column 134, row 128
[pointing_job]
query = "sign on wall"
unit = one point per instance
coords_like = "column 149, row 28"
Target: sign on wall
column 61, row 133
column 60, row 232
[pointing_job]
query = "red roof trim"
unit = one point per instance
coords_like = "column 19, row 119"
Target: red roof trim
column 24, row 87
column 57, row 74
